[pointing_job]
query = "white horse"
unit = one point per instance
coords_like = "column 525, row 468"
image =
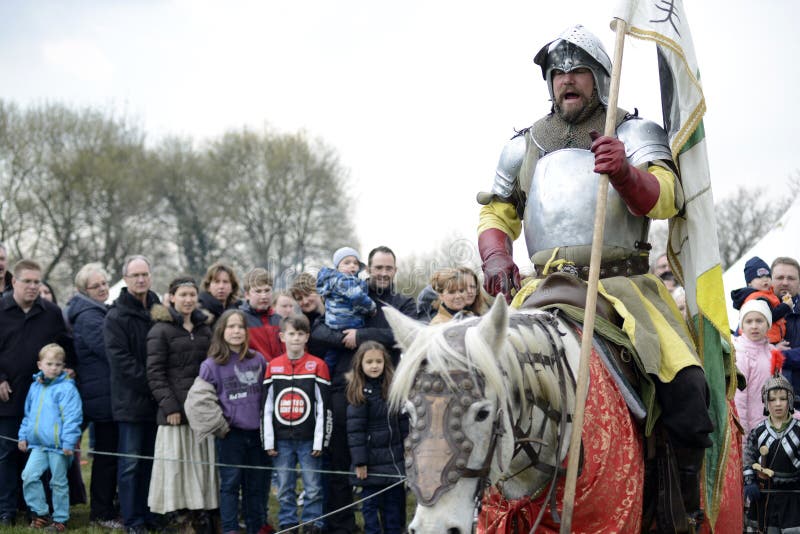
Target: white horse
column 490, row 401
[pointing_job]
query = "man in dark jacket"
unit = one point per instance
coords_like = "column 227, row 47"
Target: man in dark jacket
column 382, row 268
column 27, row 323
column 132, row 405
column 786, row 285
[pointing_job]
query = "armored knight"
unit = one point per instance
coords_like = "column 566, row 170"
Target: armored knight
column 547, row 178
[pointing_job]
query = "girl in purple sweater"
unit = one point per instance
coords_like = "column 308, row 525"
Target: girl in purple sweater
column 237, row 373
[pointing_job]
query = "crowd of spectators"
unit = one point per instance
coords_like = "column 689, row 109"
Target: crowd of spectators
column 146, row 367
column 134, row 362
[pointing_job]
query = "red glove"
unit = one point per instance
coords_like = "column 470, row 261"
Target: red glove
column 639, row 189
column 499, row 271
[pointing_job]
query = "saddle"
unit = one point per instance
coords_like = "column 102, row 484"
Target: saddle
column 559, row 289
column 564, row 288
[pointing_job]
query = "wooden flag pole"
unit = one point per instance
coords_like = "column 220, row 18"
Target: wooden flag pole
column 591, row 294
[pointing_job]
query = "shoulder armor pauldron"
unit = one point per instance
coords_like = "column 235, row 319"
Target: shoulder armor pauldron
column 507, row 174
column 644, row 140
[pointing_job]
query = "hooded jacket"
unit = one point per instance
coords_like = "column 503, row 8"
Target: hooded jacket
column 125, row 330
column 174, row 356
column 53, row 413
column 93, row 370
column 347, row 302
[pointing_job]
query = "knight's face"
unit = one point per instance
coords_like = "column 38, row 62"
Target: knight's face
column 572, row 92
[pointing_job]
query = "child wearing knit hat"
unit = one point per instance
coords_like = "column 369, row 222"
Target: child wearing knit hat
column 754, row 355
column 347, row 301
column 757, row 275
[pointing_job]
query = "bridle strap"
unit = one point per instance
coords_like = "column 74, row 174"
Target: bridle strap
column 483, row 471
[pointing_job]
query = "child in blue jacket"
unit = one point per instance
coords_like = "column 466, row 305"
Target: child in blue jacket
column 51, row 429
column 346, row 296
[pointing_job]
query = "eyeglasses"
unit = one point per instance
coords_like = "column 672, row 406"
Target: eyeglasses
column 261, row 291
column 98, row 285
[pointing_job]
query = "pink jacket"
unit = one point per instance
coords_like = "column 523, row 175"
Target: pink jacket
column 754, row 360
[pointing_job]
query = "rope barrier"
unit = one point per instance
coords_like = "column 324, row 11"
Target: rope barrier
column 180, row 460
column 355, row 503
column 401, row 478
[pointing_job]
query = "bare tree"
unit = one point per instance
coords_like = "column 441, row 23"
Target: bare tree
column 742, row 219
column 79, row 185
column 73, row 185
column 289, row 198
column 194, row 205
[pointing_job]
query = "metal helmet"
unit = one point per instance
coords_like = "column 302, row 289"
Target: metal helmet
column 777, row 382
column 576, row 47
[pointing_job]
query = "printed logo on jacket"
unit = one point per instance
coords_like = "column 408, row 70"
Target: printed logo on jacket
column 292, row 406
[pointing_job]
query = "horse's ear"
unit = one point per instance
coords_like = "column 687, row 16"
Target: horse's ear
column 494, row 324
column 405, row 328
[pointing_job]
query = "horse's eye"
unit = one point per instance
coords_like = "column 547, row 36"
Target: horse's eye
column 482, row 415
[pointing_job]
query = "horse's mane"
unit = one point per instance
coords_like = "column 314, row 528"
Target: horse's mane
column 504, row 372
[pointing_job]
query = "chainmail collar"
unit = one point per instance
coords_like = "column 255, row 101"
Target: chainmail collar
column 553, row 133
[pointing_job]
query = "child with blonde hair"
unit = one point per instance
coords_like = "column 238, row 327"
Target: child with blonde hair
column 51, row 429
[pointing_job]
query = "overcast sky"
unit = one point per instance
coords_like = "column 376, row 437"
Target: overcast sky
column 417, row 97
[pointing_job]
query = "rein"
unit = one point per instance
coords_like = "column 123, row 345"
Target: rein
column 547, row 323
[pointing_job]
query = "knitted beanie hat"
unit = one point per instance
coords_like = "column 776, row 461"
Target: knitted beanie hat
column 756, row 305
column 755, row 268
column 342, row 253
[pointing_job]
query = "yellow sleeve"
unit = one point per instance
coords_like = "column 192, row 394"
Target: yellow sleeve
column 500, row 215
column 666, row 206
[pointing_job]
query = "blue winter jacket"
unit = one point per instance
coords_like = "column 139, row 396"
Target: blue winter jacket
column 53, row 413
column 94, row 372
column 347, row 302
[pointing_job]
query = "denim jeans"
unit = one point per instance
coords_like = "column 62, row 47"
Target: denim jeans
column 242, row 447
column 39, row 461
column 10, row 457
column 133, row 474
column 389, row 505
column 290, row 452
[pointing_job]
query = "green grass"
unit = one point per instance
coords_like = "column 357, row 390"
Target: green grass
column 79, row 514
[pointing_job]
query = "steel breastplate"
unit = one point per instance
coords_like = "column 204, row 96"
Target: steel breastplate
column 560, row 212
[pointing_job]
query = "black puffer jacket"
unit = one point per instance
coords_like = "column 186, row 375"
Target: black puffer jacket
column 174, row 356
column 86, row 317
column 125, row 330
column 376, row 438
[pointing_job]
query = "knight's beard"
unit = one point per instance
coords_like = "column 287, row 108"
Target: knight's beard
column 576, row 116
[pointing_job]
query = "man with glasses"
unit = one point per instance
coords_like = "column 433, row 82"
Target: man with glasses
column 27, row 323
column 132, row 405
